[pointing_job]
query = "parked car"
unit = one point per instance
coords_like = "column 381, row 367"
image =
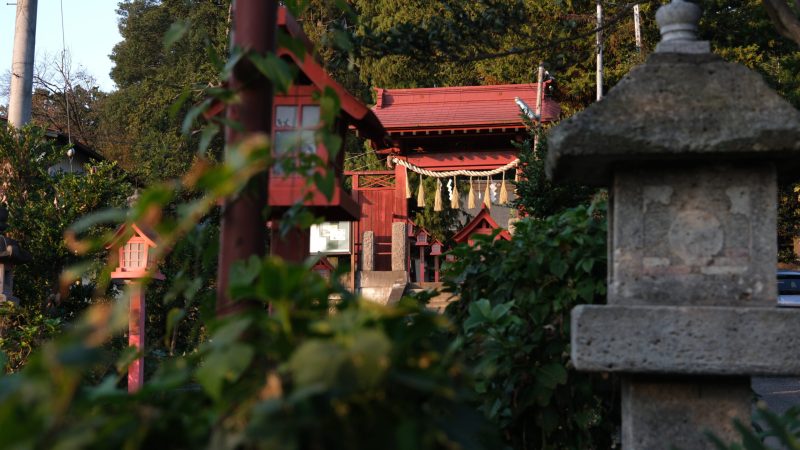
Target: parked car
column 788, row 288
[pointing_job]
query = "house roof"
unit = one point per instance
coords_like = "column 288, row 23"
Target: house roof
column 63, row 139
column 458, row 107
column 482, row 222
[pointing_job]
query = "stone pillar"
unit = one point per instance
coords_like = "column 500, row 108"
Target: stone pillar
column 690, row 147
column 368, row 251
column 399, row 246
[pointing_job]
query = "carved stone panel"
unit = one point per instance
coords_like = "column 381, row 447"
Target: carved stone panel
column 702, row 235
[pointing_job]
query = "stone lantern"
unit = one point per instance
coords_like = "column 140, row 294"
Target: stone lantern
column 135, row 263
column 422, row 241
column 10, row 255
column 436, row 252
column 691, row 148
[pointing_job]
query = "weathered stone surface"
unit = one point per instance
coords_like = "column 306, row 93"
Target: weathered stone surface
column 702, row 235
column 384, row 287
column 686, row 340
column 676, row 107
column 368, row 251
column 661, row 414
column 399, row 246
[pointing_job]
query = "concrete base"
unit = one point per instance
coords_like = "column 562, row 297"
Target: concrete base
column 686, row 340
column 384, row 287
column 666, row 414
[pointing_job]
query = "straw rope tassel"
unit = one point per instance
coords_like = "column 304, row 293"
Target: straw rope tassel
column 487, row 195
column 408, row 187
column 455, row 202
column 421, row 193
column 471, row 196
column 503, row 191
column 437, row 199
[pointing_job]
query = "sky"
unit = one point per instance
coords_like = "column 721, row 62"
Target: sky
column 90, row 32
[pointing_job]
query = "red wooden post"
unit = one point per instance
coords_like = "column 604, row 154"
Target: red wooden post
column 400, row 200
column 436, row 268
column 243, row 230
column 136, row 334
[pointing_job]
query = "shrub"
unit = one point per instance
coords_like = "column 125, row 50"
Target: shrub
column 513, row 324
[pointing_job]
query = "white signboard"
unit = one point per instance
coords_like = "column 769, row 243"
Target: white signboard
column 330, row 238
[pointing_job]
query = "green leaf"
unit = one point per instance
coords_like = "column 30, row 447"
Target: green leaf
column 174, row 316
column 224, row 365
column 176, row 106
column 558, row 267
column 175, row 32
column 296, row 46
column 342, row 40
column 317, row 362
column 551, row 375
column 326, row 183
column 208, row 133
column 229, row 333
column 278, row 71
column 193, row 114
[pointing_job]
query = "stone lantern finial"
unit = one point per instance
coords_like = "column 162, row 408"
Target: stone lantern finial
column 678, row 24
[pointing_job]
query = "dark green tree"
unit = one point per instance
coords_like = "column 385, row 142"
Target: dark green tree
column 152, row 77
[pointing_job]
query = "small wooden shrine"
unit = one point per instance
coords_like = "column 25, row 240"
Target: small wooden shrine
column 135, row 262
column 482, row 224
column 296, row 120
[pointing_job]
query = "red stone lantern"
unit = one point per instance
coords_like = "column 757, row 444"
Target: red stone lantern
column 422, row 242
column 136, row 262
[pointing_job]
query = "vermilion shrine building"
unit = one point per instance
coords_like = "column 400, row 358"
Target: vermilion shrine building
column 427, row 130
column 442, row 129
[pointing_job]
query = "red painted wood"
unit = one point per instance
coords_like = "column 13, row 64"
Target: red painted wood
column 462, row 160
column 421, row 273
column 457, row 107
column 292, row 247
column 400, row 200
column 378, row 211
column 242, row 232
column 136, row 335
column 436, row 268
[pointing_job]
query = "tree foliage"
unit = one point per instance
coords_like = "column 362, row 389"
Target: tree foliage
column 512, row 319
column 42, row 203
column 156, row 84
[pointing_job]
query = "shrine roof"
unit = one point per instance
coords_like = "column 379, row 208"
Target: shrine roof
column 459, row 107
column 478, row 225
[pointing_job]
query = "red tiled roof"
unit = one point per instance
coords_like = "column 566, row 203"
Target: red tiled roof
column 481, row 224
column 458, row 107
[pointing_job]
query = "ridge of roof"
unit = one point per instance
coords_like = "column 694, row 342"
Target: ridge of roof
column 445, row 89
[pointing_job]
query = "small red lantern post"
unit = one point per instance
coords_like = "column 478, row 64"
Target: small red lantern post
column 136, row 262
column 436, row 251
column 422, row 242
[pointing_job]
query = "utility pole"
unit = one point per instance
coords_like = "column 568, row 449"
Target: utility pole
column 637, row 27
column 19, row 101
column 243, row 229
column 539, row 94
column 599, row 43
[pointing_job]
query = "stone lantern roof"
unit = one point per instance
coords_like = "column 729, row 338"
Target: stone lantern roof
column 683, row 103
